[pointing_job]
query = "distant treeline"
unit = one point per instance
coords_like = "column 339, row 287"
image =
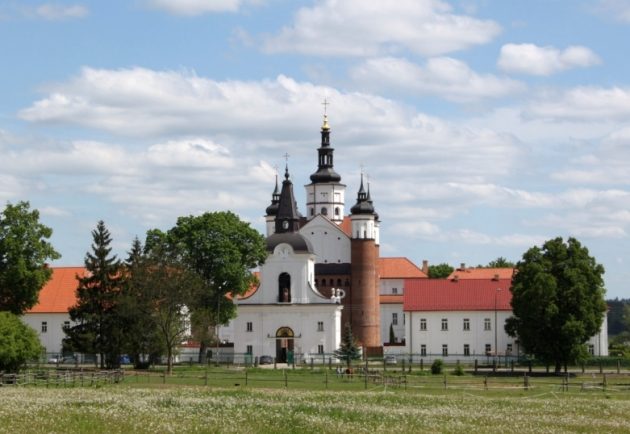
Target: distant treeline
column 616, row 323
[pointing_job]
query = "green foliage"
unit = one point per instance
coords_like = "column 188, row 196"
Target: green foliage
column 24, row 250
column 349, row 350
column 500, row 262
column 156, row 297
column 437, row 367
column 459, row 370
column 557, row 301
column 223, row 250
column 99, row 326
column 617, row 318
column 18, row 343
column 440, row 271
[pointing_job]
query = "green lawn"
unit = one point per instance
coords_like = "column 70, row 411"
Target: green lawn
column 138, row 407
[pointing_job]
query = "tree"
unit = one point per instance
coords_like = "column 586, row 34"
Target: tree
column 440, row 271
column 557, row 301
column 18, row 343
column 223, row 250
column 349, row 350
column 392, row 335
column 160, row 289
column 23, row 255
column 500, row 262
column 99, row 325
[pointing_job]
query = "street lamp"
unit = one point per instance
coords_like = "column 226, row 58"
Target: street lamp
column 496, row 349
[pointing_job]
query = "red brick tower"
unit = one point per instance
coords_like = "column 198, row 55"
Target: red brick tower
column 364, row 270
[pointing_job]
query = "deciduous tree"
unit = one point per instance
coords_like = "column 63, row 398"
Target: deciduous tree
column 440, row 271
column 24, row 250
column 557, row 301
column 18, row 343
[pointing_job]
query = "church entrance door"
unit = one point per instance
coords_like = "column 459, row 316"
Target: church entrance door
column 284, row 345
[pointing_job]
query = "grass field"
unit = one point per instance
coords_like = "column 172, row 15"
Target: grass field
column 139, row 407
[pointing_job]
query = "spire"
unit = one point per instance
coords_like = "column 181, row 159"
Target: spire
column 287, row 217
column 325, row 171
column 272, row 209
column 364, row 203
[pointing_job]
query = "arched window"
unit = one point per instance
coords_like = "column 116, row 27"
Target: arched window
column 337, row 211
column 312, row 211
column 324, row 211
column 347, row 283
column 332, row 282
column 284, row 288
column 338, row 283
column 316, row 283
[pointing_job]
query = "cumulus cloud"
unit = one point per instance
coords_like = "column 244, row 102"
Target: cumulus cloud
column 442, row 76
column 535, row 60
column 584, row 104
column 195, row 7
column 55, row 12
column 359, row 28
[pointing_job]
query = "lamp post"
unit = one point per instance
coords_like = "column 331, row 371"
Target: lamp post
column 496, row 349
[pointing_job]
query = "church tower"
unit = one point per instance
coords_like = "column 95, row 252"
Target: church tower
column 325, row 194
column 364, row 271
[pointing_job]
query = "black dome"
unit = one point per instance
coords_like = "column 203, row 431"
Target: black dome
column 294, row 239
column 325, row 174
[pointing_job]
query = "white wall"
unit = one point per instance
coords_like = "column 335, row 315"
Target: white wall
column 331, row 244
column 52, row 338
column 302, row 319
column 387, row 286
column 387, row 311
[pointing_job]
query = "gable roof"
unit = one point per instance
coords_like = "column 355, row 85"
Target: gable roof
column 59, row 293
column 457, row 295
column 482, row 273
column 323, row 220
column 399, row 268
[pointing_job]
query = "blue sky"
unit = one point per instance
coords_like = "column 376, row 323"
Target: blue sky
column 486, row 127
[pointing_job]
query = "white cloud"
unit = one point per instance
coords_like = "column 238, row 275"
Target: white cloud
column 617, row 9
column 535, row 60
column 359, row 28
column 195, row 7
column 53, row 211
column 442, row 76
column 581, row 104
column 55, row 12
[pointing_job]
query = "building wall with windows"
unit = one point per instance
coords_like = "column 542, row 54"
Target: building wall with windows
column 49, row 327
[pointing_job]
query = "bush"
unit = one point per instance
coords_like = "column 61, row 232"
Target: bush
column 459, row 371
column 437, row 366
column 18, row 343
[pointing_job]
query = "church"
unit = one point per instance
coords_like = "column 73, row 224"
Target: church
column 322, row 271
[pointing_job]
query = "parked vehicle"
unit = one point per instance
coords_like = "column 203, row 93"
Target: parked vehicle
column 390, row 360
column 265, row 360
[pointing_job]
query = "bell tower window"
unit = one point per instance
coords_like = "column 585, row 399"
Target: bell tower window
column 284, row 288
column 324, row 211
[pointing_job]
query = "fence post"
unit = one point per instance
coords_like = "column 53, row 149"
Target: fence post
column 246, row 377
column 286, row 380
column 582, row 367
column 164, row 378
column 485, row 382
column 329, row 363
column 312, row 362
column 326, row 379
column 475, row 366
column 525, row 382
column 618, row 366
column 445, row 382
column 365, row 376
column 605, row 383
column 511, row 365
column 601, row 368
column 529, row 363
column 422, row 364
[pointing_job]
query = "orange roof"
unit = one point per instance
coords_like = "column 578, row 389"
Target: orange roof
column 482, row 273
column 399, row 268
column 59, row 293
column 346, row 226
column 391, row 299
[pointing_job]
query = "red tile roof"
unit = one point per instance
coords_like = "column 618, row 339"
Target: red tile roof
column 460, row 295
column 482, row 273
column 346, row 226
column 399, row 268
column 59, row 293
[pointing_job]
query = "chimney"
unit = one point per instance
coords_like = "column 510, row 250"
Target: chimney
column 456, row 278
column 462, row 266
column 496, row 278
column 425, row 267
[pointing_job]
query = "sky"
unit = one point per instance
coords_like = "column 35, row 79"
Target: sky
column 485, row 127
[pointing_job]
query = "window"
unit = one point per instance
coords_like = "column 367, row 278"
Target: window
column 320, row 326
column 338, row 283
column 395, row 318
column 591, row 349
column 423, row 350
column 466, row 324
column 249, row 350
column 395, row 291
column 488, row 349
column 44, row 326
column 444, row 324
column 466, row 350
column 320, row 349
column 66, row 325
column 316, row 283
column 312, row 211
column 324, row 211
column 284, row 288
column 487, row 325
column 444, row 350
column 508, row 349
column 250, row 327
column 337, row 211
column 423, row 324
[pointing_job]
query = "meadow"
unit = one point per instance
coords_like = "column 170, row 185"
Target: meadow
column 465, row 405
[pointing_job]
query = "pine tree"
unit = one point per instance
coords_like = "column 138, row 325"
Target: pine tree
column 349, row 350
column 98, row 328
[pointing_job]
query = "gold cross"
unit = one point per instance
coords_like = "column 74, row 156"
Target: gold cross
column 325, row 104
